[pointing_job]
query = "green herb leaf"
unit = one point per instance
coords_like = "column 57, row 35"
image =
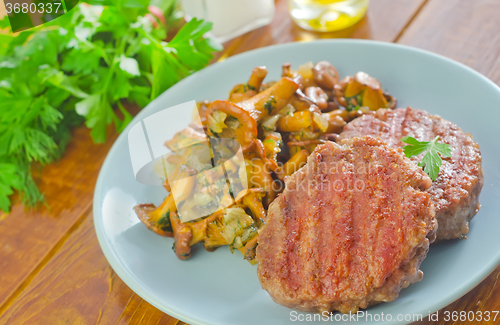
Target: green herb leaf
column 129, row 65
column 269, row 105
column 81, row 61
column 4, row 22
column 431, row 161
column 9, row 180
column 247, row 87
column 79, row 68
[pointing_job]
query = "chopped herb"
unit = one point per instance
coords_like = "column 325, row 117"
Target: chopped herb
column 164, row 222
column 269, row 105
column 247, row 87
column 232, row 191
column 431, row 162
column 232, row 122
column 165, row 219
column 351, row 106
column 236, row 90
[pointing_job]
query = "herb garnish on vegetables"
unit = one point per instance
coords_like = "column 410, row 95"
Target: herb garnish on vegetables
column 79, row 67
column 431, row 162
column 270, row 103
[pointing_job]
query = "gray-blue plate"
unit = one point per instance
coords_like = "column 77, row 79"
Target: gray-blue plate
column 220, row 288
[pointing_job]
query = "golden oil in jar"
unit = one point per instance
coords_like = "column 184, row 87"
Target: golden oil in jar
column 327, row 15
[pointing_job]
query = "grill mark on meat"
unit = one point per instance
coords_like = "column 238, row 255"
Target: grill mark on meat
column 313, row 287
column 456, row 189
column 306, row 238
column 292, row 230
column 404, row 124
column 336, row 235
column 380, row 239
column 367, row 252
column 347, row 252
column 369, row 223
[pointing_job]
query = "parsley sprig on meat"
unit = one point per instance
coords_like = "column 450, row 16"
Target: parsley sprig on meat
column 80, row 67
column 431, row 162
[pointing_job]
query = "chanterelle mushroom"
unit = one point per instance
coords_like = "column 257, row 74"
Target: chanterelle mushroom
column 325, row 75
column 363, row 91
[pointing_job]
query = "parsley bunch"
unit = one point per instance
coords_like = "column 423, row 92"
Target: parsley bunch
column 79, row 67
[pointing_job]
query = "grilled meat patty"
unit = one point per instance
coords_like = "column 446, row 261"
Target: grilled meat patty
column 350, row 229
column 456, row 190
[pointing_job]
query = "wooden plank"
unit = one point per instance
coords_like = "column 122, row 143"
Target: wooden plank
column 483, row 299
column 27, row 237
column 466, row 31
column 77, row 286
column 388, row 18
column 384, row 22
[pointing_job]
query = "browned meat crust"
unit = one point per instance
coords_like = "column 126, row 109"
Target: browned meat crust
column 350, row 229
column 456, row 190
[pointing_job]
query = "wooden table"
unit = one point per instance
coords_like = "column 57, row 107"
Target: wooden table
column 52, row 270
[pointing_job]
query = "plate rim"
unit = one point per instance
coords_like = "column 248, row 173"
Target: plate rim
column 144, row 293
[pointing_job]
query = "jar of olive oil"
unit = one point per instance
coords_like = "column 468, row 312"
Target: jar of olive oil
column 327, row 15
